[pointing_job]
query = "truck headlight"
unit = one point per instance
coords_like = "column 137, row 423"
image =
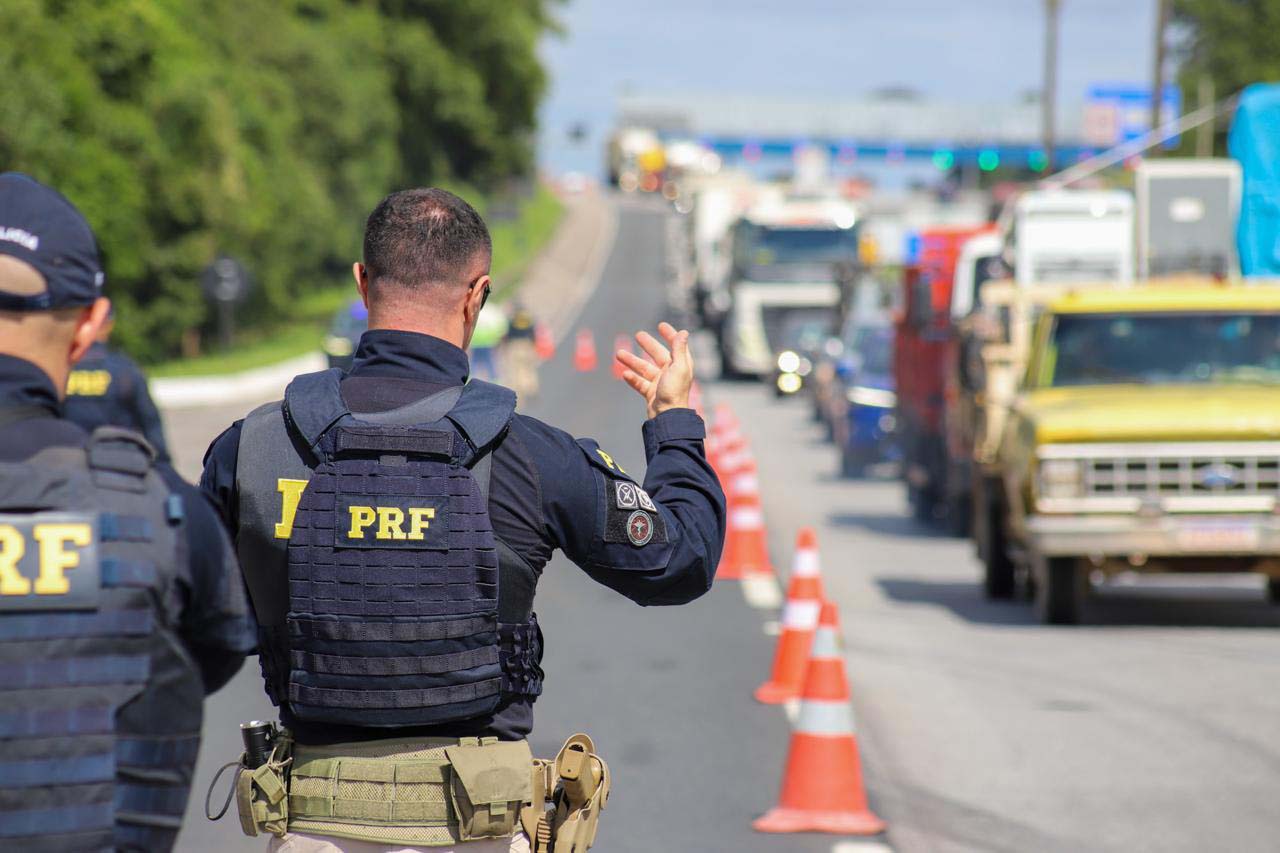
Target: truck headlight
column 788, row 361
column 1061, row 478
column 876, row 398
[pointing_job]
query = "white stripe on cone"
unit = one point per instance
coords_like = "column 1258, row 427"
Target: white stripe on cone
column 825, row 645
column 801, row 613
column 747, row 518
column 826, row 717
column 806, row 564
column 761, row 591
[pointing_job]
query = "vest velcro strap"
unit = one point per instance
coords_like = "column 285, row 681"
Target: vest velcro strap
column 120, row 572
column 392, row 632
column 67, row 819
column 162, row 752
column 52, row 722
column 422, row 442
column 366, row 811
column 423, row 773
column 371, row 699
column 74, row 672
column 79, row 770
column 410, row 665
column 419, row 812
column 124, row 528
column 103, row 623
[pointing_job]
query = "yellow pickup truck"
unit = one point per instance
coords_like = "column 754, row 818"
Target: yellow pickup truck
column 1145, row 437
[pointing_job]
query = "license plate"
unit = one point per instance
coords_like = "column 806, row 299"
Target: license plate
column 1218, row 537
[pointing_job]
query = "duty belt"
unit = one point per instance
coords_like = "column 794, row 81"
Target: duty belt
column 429, row 792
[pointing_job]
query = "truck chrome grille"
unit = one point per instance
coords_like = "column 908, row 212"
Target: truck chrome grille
column 1194, row 474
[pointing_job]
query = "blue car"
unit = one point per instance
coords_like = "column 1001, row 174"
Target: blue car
column 864, row 424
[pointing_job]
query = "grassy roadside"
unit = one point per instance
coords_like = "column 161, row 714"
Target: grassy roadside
column 515, row 243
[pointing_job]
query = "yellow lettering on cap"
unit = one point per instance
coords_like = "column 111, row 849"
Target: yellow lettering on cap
column 608, row 460
column 12, row 547
column 55, row 559
column 290, row 494
column 390, row 519
column 418, row 521
column 361, row 517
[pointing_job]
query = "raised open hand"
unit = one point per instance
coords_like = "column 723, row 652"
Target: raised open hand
column 664, row 382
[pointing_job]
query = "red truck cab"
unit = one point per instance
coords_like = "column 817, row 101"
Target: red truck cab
column 922, row 356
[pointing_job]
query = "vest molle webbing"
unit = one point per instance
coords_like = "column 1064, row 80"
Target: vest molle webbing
column 390, row 615
column 91, row 756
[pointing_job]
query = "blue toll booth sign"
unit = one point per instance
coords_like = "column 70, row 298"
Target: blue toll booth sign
column 1115, row 113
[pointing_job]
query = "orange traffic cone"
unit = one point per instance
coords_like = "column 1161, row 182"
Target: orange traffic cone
column 584, row 351
column 543, row 342
column 621, row 342
column 799, row 620
column 746, row 550
column 822, row 788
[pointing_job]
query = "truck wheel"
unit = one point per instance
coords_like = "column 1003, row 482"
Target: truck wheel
column 1273, row 590
column 1060, row 595
column 852, row 464
column 999, row 580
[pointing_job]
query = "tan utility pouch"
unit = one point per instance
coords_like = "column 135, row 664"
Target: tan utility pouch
column 489, row 785
column 262, row 796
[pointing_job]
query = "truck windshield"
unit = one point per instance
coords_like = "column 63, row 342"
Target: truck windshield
column 1165, row 349
column 803, row 246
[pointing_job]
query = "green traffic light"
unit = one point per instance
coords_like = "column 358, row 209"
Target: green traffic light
column 1038, row 160
column 988, row 161
column 943, row 160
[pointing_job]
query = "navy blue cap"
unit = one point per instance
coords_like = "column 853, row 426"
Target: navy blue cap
column 40, row 227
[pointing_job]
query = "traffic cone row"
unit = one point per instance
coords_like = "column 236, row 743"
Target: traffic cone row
column 822, row 786
column 822, row 789
column 799, row 621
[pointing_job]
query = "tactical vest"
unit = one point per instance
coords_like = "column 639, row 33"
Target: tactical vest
column 100, row 709
column 369, row 554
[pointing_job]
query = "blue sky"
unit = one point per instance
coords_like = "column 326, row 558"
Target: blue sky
column 979, row 50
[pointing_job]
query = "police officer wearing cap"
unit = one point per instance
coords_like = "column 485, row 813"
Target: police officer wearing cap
column 106, row 388
column 393, row 523
column 120, row 602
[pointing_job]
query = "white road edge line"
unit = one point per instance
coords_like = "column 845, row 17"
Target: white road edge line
column 861, row 847
column 590, row 279
column 762, row 593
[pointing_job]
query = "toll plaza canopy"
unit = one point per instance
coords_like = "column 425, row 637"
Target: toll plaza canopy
column 892, row 124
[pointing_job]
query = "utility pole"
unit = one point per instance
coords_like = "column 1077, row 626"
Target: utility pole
column 1048, row 98
column 1157, row 82
column 1204, row 133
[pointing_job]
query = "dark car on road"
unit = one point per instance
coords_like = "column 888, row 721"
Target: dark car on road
column 862, row 402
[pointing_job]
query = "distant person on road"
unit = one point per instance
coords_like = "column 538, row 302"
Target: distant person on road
column 393, row 524
column 490, row 329
column 520, row 355
column 120, row 603
column 107, row 389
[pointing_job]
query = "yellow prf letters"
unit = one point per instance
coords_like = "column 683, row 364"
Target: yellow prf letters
column 608, row 460
column 88, row 383
column 290, row 494
column 55, row 557
column 390, row 521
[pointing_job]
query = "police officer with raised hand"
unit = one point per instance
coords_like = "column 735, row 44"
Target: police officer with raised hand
column 393, row 523
column 106, row 388
column 120, row 603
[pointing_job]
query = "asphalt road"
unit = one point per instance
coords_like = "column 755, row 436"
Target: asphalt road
column 1154, row 728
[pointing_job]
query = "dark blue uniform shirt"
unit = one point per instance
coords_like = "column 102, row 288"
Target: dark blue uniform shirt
column 548, row 491
column 215, row 626
column 107, row 388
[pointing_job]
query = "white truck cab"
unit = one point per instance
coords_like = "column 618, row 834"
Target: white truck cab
column 1071, row 235
column 784, row 263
